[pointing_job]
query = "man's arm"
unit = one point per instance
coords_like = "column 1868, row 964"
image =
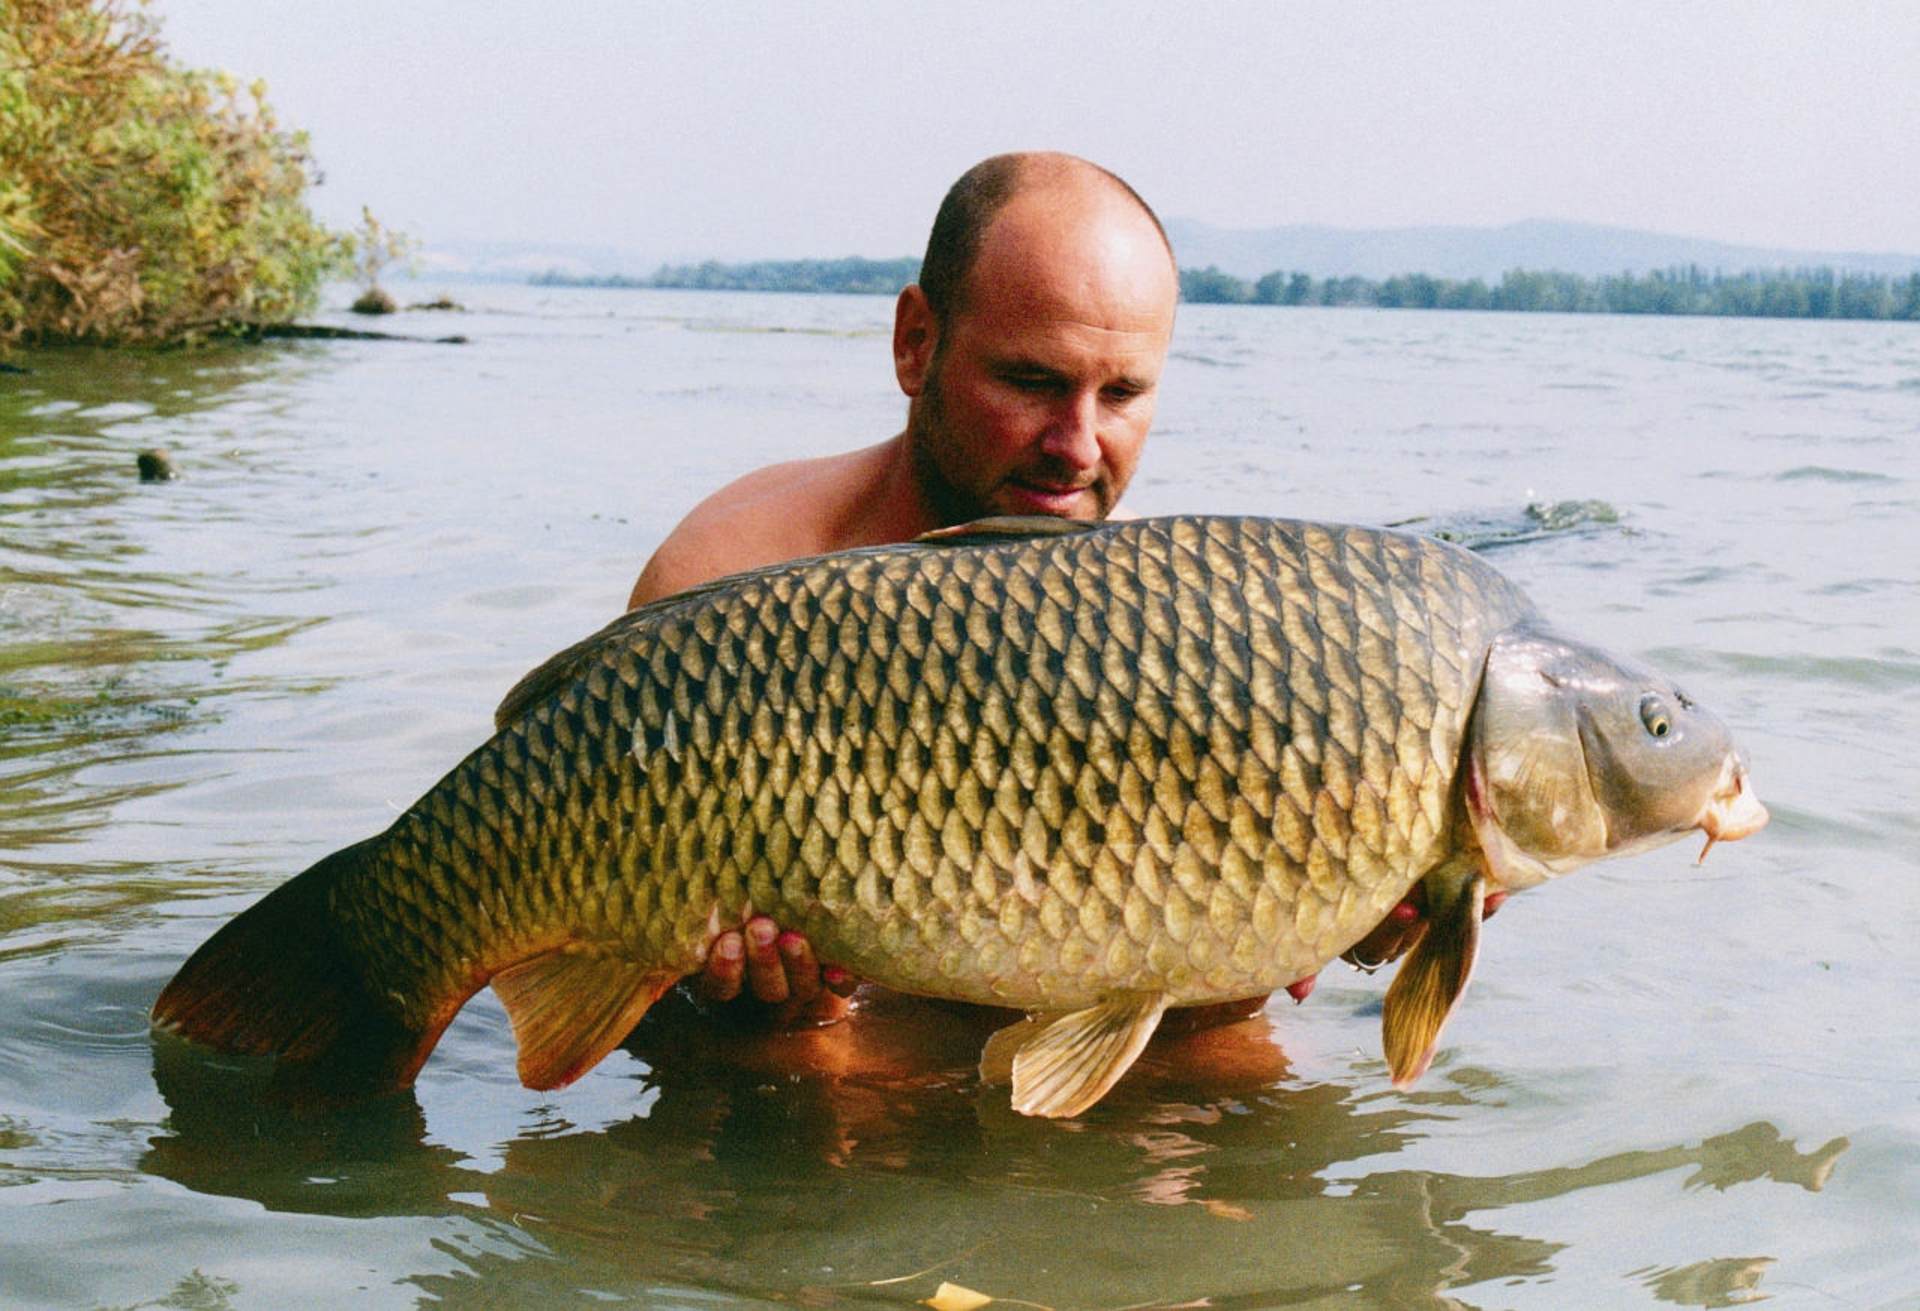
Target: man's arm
column 746, row 524
column 785, row 511
column 671, row 569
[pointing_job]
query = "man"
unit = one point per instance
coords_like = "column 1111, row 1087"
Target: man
column 1030, row 352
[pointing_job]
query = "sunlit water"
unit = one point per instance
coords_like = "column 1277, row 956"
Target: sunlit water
column 1668, row 1085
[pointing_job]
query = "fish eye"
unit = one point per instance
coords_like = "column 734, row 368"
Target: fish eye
column 1654, row 716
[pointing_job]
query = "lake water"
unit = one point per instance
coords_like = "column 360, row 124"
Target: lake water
column 1667, row 1086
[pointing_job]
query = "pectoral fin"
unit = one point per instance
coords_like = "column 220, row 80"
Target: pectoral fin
column 1062, row 1064
column 1432, row 976
column 570, row 1008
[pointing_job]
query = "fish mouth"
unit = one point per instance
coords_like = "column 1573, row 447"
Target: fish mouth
column 1732, row 812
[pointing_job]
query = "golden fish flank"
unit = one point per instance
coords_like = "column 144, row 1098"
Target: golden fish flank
column 1090, row 771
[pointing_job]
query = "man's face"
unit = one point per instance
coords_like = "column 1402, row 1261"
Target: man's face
column 1039, row 389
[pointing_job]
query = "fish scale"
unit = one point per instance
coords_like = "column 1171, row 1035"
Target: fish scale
column 1198, row 756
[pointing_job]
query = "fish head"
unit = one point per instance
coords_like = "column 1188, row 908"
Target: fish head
column 1576, row 755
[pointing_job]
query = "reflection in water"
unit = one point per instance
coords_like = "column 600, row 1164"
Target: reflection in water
column 819, row 1166
column 198, row 1291
column 1734, row 1281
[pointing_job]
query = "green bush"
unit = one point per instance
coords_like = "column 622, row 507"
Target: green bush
column 141, row 202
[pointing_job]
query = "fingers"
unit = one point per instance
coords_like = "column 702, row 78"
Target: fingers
column 726, row 963
column 777, row 969
column 766, row 974
column 837, row 981
column 1389, row 939
column 802, row 971
column 1401, row 928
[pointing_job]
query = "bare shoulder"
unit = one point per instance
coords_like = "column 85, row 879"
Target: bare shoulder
column 782, row 511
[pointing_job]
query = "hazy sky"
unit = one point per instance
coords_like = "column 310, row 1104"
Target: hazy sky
column 753, row 129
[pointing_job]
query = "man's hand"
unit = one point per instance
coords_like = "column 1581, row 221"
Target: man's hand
column 779, row 971
column 1397, row 933
column 1391, row 939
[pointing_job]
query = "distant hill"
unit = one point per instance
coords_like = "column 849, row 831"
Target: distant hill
column 516, row 261
column 1587, row 249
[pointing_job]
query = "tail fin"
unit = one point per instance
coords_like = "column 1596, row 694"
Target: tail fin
column 275, row 981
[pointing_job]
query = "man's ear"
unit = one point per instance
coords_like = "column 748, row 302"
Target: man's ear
column 915, row 334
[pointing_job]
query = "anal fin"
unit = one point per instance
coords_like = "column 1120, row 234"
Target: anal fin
column 570, row 1007
column 996, row 1058
column 1062, row 1064
column 1433, row 975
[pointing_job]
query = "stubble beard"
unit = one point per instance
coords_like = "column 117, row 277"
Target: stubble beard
column 927, row 433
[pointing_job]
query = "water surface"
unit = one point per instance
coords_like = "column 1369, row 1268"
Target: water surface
column 1668, row 1086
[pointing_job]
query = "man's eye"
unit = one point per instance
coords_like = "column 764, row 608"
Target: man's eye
column 1120, row 395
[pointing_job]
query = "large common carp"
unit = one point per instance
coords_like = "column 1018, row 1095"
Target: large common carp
column 1088, row 771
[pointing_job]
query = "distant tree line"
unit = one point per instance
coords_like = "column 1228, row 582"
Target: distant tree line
column 852, row 276
column 1818, row 293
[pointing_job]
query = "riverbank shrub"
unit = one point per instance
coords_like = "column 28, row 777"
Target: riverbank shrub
column 374, row 246
column 141, row 202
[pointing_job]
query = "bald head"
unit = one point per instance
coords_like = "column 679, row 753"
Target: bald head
column 1065, row 184
column 1032, row 346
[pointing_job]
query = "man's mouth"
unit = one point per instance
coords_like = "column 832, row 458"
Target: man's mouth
column 1049, row 497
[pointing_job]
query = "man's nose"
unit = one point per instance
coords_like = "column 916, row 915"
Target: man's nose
column 1074, row 436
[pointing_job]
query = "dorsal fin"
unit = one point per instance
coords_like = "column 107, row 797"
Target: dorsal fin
column 563, row 667
column 1005, row 527
column 547, row 677
column 1062, row 1064
column 571, row 1007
